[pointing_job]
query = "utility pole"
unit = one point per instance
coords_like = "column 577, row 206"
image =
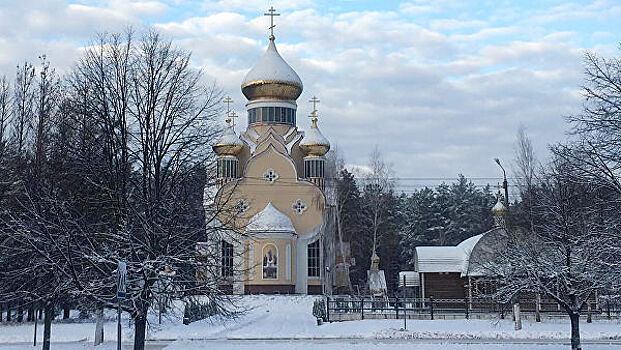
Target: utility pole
column 505, row 184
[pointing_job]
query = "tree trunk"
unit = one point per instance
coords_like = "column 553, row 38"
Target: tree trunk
column 538, row 307
column 20, row 314
column 575, row 331
column 47, row 325
column 140, row 333
column 99, row 326
column 66, row 311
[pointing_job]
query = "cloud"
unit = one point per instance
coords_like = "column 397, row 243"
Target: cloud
column 440, row 86
column 453, row 24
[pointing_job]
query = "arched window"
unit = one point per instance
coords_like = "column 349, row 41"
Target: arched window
column 314, row 262
column 270, row 262
column 227, row 259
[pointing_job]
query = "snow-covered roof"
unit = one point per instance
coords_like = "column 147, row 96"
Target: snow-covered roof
column 270, row 220
column 411, row 278
column 272, row 67
column 314, row 137
column 229, row 137
column 446, row 258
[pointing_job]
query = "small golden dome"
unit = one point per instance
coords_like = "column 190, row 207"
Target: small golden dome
column 228, row 144
column 272, row 78
column 314, row 143
column 499, row 208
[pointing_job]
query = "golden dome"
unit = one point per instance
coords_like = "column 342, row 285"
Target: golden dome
column 228, row 144
column 272, row 78
column 499, row 208
column 314, row 143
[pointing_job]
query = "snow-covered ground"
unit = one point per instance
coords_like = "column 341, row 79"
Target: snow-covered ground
column 314, row 345
column 290, row 317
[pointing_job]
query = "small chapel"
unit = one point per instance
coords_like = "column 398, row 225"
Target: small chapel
column 271, row 178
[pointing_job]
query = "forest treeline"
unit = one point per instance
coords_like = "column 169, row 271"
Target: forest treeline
column 443, row 215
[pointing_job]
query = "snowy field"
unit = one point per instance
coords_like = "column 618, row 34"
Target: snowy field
column 284, row 322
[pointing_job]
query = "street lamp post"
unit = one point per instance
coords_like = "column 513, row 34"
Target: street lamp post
column 505, row 185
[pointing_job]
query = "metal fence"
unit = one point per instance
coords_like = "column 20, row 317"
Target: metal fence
column 342, row 308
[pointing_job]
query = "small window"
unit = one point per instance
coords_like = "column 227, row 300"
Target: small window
column 313, row 260
column 227, row 259
column 270, row 114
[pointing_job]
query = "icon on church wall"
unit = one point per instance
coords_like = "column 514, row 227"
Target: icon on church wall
column 270, row 262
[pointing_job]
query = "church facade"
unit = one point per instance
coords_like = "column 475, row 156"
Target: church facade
column 270, row 188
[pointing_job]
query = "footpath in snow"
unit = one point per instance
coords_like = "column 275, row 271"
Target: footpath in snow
column 290, row 317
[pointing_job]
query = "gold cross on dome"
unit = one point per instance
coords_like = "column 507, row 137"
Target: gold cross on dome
column 228, row 101
column 232, row 116
column 272, row 13
column 314, row 101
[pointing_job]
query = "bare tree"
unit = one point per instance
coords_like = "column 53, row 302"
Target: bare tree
column 338, row 196
column 378, row 186
column 596, row 149
column 23, row 99
column 154, row 115
column 5, row 115
column 46, row 108
column 525, row 170
column 573, row 251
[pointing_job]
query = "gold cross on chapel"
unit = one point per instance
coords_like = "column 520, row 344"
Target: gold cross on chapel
column 314, row 101
column 313, row 115
column 272, row 13
column 232, row 116
column 228, row 101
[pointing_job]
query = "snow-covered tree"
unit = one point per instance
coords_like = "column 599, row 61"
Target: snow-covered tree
column 574, row 250
column 119, row 177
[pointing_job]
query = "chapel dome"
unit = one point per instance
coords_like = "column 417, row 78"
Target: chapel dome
column 272, row 78
column 314, row 143
column 228, row 143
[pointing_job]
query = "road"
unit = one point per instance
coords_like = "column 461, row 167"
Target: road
column 339, row 344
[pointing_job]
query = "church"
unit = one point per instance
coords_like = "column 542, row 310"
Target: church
column 270, row 187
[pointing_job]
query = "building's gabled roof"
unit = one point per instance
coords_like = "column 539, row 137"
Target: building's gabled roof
column 270, row 220
column 446, row 258
column 459, row 258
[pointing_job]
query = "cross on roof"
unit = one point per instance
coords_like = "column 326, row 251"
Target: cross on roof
column 228, row 101
column 313, row 114
column 314, row 101
column 232, row 116
column 272, row 13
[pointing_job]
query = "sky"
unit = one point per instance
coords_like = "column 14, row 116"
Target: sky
column 440, row 86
